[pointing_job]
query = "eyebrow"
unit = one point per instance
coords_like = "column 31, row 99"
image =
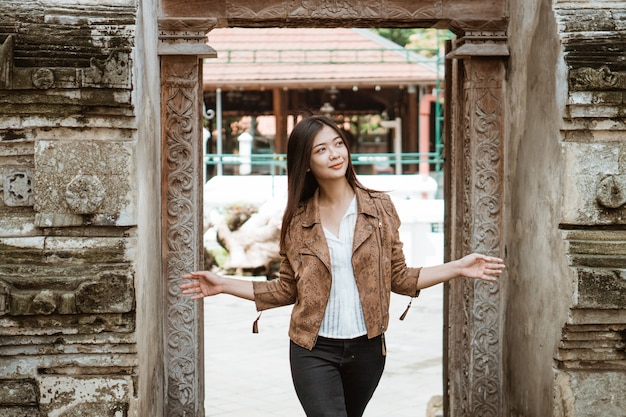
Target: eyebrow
column 332, row 140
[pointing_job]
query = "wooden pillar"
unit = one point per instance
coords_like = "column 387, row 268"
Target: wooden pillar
column 182, row 44
column 280, row 113
column 474, row 364
column 424, row 132
column 412, row 135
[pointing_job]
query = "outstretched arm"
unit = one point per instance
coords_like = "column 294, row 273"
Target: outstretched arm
column 206, row 283
column 474, row 265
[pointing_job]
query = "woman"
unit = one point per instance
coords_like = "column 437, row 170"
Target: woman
column 341, row 258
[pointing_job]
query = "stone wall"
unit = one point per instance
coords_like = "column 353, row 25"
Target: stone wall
column 68, row 234
column 566, row 311
column 591, row 359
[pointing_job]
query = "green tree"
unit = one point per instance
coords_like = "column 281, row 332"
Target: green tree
column 429, row 41
column 424, row 41
column 399, row 36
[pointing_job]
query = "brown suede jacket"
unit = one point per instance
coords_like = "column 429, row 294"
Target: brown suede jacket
column 305, row 272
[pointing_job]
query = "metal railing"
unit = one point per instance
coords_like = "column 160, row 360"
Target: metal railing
column 277, row 163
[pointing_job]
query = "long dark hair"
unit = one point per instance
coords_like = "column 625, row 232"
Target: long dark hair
column 301, row 184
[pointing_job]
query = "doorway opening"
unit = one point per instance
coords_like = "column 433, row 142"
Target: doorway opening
column 248, row 374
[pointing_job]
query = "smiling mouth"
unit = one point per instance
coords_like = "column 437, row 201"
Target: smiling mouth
column 337, row 166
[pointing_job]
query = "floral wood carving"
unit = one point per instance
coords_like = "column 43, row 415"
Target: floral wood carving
column 336, row 9
column 482, row 230
column 244, row 10
column 487, row 78
column 413, row 10
column 181, row 228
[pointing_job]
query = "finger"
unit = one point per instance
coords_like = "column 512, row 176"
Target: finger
column 195, row 294
column 487, row 258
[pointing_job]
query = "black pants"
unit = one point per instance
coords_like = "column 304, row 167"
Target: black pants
column 337, row 378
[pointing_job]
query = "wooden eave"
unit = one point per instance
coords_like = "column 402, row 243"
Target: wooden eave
column 266, row 58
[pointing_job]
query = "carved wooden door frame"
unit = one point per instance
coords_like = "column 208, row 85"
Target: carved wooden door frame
column 475, row 138
column 182, row 45
column 474, row 194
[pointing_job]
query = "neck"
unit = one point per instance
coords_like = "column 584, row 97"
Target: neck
column 336, row 192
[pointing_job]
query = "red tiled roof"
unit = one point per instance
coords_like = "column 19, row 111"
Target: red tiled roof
column 256, row 57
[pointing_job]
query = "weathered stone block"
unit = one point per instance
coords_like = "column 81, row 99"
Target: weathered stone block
column 600, row 288
column 18, row 188
column 12, row 411
column 18, row 392
column 85, row 178
column 111, row 293
column 46, row 276
column 16, row 176
column 33, row 282
column 41, row 253
column 585, row 198
column 85, row 396
column 43, row 303
column 584, row 393
column 112, row 72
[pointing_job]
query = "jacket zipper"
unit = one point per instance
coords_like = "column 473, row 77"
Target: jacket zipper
column 379, row 239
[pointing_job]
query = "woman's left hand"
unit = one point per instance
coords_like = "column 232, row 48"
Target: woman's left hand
column 477, row 265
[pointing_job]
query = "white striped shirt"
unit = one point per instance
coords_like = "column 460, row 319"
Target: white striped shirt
column 343, row 318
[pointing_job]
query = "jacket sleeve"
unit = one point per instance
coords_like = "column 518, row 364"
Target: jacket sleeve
column 278, row 292
column 403, row 278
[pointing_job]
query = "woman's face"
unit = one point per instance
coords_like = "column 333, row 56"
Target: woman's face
column 329, row 155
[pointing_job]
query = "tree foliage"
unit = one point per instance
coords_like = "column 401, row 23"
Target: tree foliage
column 399, row 36
column 424, row 41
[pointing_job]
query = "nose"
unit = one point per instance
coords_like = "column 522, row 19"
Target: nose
column 333, row 154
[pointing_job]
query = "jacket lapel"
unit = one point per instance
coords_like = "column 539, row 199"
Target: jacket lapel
column 312, row 231
column 367, row 219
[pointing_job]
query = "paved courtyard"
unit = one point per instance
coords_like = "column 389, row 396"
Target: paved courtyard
column 247, row 375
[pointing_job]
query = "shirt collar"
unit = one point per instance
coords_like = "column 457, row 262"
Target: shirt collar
column 364, row 204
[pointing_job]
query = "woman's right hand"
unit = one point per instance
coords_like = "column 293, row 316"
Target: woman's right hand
column 202, row 284
column 206, row 283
